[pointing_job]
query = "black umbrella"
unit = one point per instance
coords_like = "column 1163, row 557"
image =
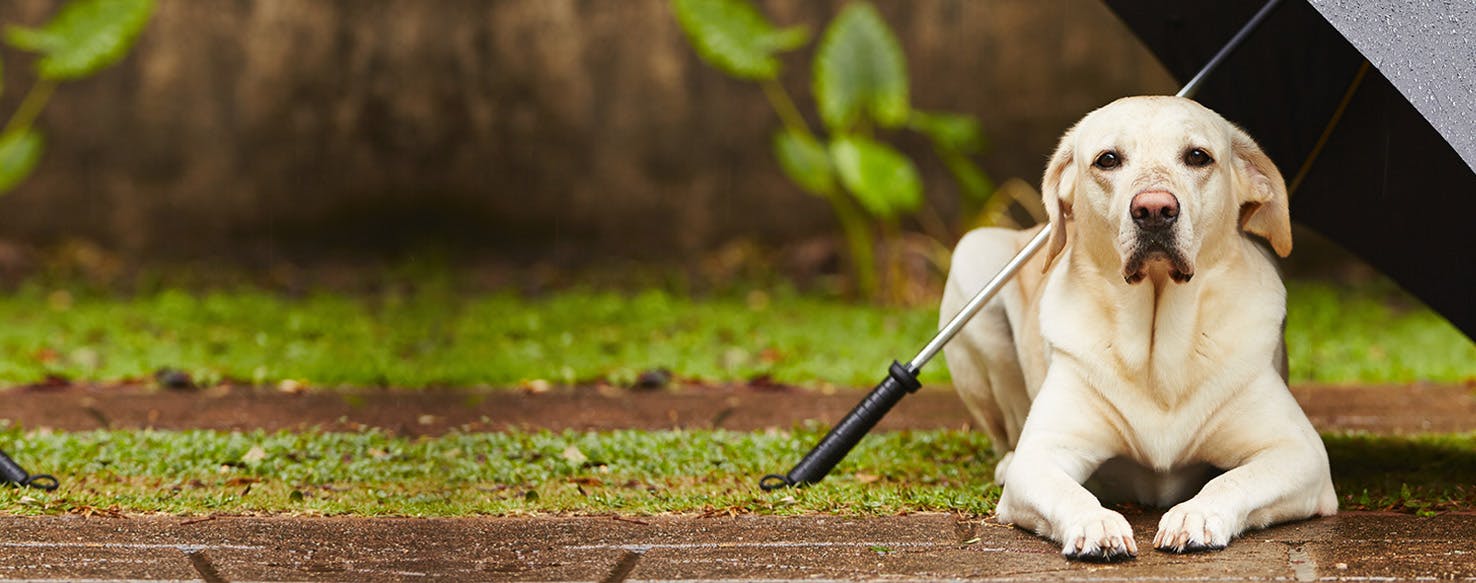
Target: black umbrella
column 1369, row 109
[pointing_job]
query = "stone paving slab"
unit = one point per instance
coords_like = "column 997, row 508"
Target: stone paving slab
column 1349, row 547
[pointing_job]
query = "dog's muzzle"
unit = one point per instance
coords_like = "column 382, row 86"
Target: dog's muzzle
column 1154, row 212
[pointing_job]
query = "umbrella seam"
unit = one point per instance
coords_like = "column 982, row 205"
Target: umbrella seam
column 1332, row 124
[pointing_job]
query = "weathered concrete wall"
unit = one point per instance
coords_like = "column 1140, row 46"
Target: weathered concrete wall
column 548, row 128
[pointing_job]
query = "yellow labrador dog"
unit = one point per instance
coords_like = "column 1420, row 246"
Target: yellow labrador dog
column 1142, row 358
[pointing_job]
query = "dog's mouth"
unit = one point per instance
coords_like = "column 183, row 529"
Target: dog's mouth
column 1153, row 253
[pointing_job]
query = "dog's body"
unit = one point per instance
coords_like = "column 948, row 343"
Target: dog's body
column 1147, row 354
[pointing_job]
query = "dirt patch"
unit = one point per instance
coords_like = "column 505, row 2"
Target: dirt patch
column 1414, row 408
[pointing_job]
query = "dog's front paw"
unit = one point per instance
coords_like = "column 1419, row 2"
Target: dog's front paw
column 1101, row 535
column 1191, row 527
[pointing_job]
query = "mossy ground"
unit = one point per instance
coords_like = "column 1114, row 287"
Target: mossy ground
column 437, row 335
column 624, row 472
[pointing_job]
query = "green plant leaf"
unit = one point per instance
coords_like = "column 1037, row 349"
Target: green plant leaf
column 19, row 152
column 860, row 71
column 735, row 37
column 972, row 182
column 953, row 132
column 881, row 178
column 84, row 36
column 804, row 161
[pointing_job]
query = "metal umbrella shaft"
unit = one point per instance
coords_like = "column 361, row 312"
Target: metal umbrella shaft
column 902, row 379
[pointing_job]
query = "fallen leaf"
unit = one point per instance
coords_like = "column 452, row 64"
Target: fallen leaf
column 292, row 386
column 574, row 456
column 254, row 455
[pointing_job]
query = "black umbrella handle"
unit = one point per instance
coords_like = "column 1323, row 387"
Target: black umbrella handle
column 900, row 381
column 12, row 473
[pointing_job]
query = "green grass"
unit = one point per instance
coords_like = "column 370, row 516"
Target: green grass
column 625, row 472
column 1371, row 334
column 437, row 336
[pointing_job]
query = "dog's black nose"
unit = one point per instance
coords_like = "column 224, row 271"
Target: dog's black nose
column 1154, row 210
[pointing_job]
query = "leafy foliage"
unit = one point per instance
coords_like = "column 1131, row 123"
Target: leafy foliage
column 84, row 37
column 860, row 71
column 19, row 152
column 949, row 131
column 860, row 83
column 883, row 179
column 956, row 137
column 734, row 37
column 805, row 161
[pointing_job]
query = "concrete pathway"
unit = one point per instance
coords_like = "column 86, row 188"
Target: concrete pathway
column 1349, row 547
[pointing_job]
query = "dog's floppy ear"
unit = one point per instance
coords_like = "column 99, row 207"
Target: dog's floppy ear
column 1262, row 194
column 1058, row 193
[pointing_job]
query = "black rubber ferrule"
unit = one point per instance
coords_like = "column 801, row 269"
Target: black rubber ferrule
column 11, row 472
column 843, row 437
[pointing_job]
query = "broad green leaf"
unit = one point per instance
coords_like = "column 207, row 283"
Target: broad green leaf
column 29, row 39
column 881, row 178
column 19, row 152
column 952, row 132
column 972, row 181
column 734, row 36
column 805, row 161
column 84, row 37
column 860, row 71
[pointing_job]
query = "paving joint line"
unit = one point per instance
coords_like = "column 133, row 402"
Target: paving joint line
column 642, row 548
column 624, row 566
column 179, row 547
column 204, row 566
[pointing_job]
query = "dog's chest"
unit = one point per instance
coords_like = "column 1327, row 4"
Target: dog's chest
column 1165, row 370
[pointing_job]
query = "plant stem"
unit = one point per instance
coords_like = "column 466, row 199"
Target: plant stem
column 784, row 106
column 933, row 224
column 892, row 276
column 859, row 242
column 30, row 107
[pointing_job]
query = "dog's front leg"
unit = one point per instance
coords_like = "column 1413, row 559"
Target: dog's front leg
column 1059, row 448
column 1286, row 478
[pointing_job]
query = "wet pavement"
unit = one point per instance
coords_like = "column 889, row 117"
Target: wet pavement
column 1348, row 547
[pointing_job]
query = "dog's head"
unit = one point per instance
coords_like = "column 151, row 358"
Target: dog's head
column 1161, row 184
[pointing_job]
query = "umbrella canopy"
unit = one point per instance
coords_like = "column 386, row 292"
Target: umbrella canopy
column 1368, row 108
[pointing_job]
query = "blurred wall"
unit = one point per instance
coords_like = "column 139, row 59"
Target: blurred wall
column 529, row 129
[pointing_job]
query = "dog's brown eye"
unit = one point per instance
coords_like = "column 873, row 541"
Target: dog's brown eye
column 1197, row 157
column 1107, row 161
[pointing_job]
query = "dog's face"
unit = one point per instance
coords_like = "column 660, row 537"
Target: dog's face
column 1158, row 184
